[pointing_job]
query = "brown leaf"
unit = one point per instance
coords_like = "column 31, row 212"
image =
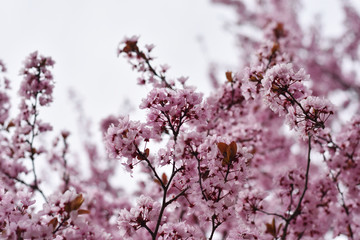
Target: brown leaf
column 33, row 150
column 83, row 211
column 140, row 157
column 157, row 181
column 275, row 48
column 76, row 203
column 205, row 174
column 67, row 207
column 271, row 228
column 225, row 161
column 53, row 222
column 279, row 31
column 147, row 152
column 229, row 76
column 279, row 227
column 233, row 149
column 164, row 178
column 222, row 147
column 275, row 88
column 228, row 151
column 131, row 46
column 11, row 124
column 253, row 79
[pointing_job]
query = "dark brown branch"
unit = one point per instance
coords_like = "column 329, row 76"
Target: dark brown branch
column 270, row 213
column 32, row 186
column 152, row 70
column 297, row 210
column 199, row 172
column 214, row 226
column 60, row 225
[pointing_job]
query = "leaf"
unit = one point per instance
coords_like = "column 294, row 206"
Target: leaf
column 164, row 178
column 157, row 181
column 253, row 78
column 225, row 161
column 144, row 155
column 147, row 152
column 53, row 222
column 83, row 211
column 228, row 151
column 67, row 207
column 140, row 157
column 229, row 76
column 205, row 174
column 33, row 151
column 279, row 31
column 222, row 147
column 271, row 228
column 279, row 227
column 131, row 46
column 233, row 149
column 11, row 124
column 275, row 48
column 76, row 203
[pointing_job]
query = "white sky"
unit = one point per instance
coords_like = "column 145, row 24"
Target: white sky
column 82, row 37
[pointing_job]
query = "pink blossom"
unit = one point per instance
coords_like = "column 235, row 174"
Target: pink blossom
column 221, row 166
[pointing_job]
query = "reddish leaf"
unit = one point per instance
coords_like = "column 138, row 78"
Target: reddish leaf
column 53, row 222
column 83, row 211
column 11, row 124
column 147, row 152
column 271, row 228
column 228, row 151
column 229, row 76
column 275, row 48
column 140, row 157
column 76, row 203
column 67, row 207
column 233, row 149
column 164, row 178
column 157, row 181
column 222, row 147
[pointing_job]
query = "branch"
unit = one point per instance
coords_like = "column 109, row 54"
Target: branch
column 214, row 226
column 177, row 196
column 35, row 187
column 145, row 158
column 152, row 70
column 345, row 207
column 166, row 203
column 165, row 188
column 297, row 210
column 199, row 172
column 270, row 213
column 62, row 222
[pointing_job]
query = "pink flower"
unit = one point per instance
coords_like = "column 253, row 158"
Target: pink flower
column 283, row 87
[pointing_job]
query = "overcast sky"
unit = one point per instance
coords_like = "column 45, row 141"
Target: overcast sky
column 82, row 37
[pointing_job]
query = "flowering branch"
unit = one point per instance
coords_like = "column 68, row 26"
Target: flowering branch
column 297, row 210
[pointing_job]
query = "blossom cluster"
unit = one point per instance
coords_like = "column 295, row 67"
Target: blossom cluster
column 169, row 109
column 37, row 79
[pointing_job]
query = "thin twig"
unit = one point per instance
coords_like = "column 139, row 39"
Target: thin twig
column 297, row 210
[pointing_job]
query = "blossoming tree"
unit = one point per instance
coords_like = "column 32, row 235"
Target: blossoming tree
column 265, row 156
